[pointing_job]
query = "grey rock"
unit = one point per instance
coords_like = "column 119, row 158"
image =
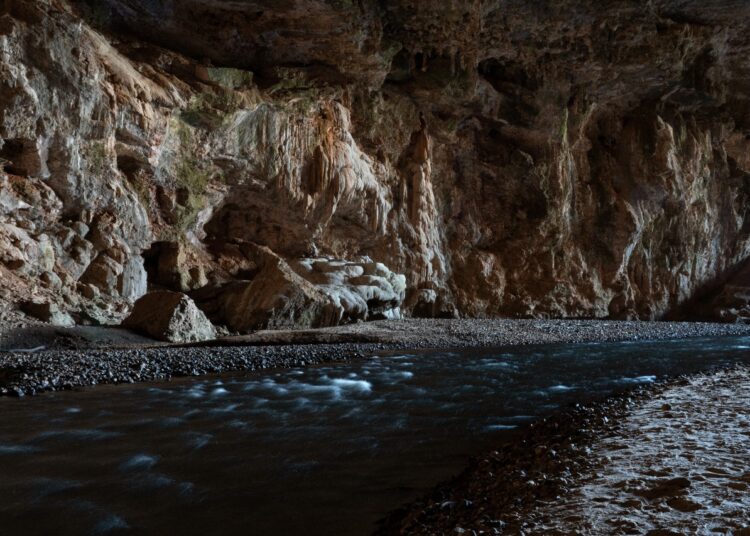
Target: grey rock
column 48, row 312
column 132, row 282
column 104, row 273
column 170, row 316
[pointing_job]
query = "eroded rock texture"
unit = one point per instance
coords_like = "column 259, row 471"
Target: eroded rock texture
column 507, row 157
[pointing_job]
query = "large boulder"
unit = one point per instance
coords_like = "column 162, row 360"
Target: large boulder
column 276, row 298
column 170, row 316
column 304, row 293
column 361, row 289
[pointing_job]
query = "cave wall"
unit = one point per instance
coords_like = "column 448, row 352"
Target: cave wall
column 509, row 158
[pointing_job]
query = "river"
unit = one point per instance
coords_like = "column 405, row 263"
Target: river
column 324, row 450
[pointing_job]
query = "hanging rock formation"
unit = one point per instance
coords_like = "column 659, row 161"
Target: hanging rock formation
column 508, row 158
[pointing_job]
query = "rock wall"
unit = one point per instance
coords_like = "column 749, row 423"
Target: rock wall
column 508, row 158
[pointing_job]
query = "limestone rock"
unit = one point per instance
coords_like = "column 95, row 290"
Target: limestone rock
column 169, row 316
column 132, row 282
column 361, row 290
column 431, row 303
column 104, row 273
column 48, row 312
column 584, row 159
column 277, row 298
column 174, row 269
column 308, row 292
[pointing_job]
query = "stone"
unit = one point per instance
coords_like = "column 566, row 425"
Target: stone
column 88, row 291
column 431, row 303
column 361, row 289
column 307, row 292
column 448, row 143
column 103, row 273
column 48, row 312
column 51, row 280
column 277, row 298
column 132, row 282
column 77, row 257
column 169, row 316
column 177, row 268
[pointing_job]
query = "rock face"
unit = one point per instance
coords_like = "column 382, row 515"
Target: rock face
column 170, row 316
column 731, row 303
column 48, row 312
column 509, row 158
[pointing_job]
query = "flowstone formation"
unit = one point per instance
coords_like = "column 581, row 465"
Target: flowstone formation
column 311, row 163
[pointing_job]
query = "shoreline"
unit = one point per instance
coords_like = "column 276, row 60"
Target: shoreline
column 97, row 360
column 603, row 467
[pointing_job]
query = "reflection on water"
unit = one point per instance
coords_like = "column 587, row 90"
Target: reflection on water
column 324, row 450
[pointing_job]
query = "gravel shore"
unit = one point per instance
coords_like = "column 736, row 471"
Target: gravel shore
column 93, row 361
column 662, row 460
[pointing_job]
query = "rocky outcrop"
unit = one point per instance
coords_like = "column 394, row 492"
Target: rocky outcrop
column 170, row 316
column 317, row 292
column 509, row 158
column 730, row 301
column 48, row 312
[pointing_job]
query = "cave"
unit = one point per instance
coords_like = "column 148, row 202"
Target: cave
column 20, row 156
column 404, row 267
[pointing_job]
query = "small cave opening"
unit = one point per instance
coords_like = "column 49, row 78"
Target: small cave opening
column 401, row 67
column 151, row 262
column 507, row 76
column 128, row 165
column 20, row 156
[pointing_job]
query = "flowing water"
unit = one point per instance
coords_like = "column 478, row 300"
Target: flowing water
column 323, row 450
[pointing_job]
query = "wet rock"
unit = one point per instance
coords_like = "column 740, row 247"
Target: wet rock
column 169, row 316
column 666, row 488
column 683, row 505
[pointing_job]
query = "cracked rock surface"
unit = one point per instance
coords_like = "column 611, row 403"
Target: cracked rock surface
column 506, row 158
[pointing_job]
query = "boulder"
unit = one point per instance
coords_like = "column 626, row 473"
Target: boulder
column 48, row 312
column 277, row 298
column 309, row 292
column 170, row 316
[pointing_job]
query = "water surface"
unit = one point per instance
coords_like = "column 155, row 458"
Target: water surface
column 323, row 450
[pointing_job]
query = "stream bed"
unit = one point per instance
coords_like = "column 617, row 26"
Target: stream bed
column 320, row 450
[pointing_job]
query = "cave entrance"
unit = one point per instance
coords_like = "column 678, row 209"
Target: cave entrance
column 20, row 156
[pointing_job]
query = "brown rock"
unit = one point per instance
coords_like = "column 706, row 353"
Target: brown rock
column 277, row 298
column 48, row 312
column 169, row 316
column 578, row 160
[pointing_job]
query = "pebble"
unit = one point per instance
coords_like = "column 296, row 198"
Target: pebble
column 32, row 373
